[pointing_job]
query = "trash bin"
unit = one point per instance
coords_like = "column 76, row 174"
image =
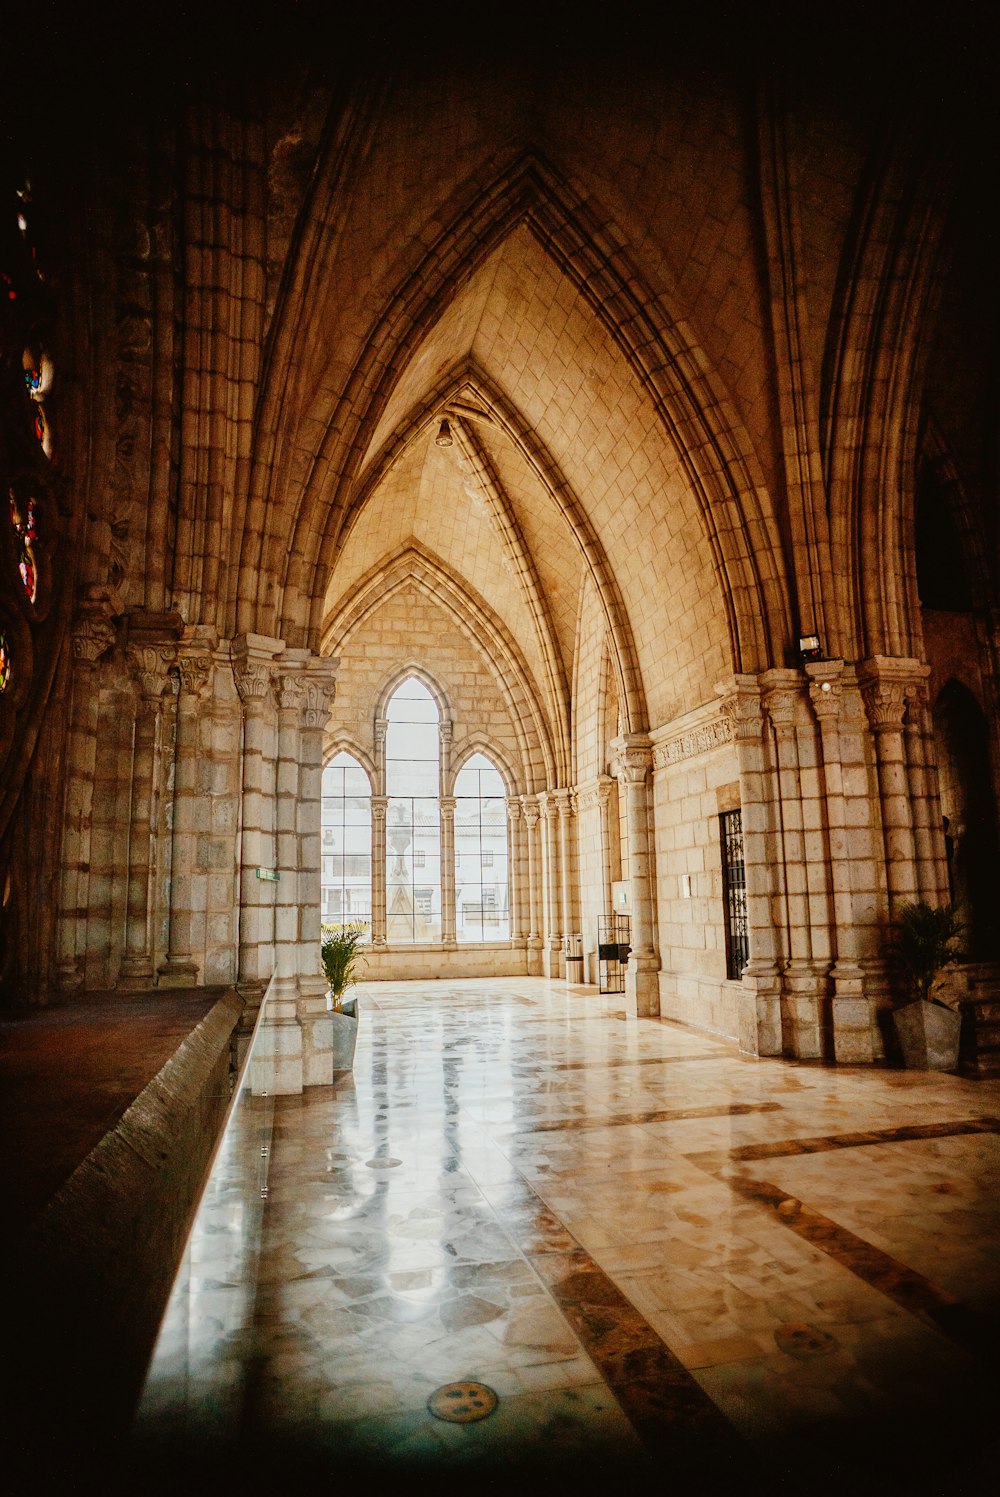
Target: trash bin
column 573, row 952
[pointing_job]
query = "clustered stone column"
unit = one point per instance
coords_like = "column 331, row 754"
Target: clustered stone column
column 194, row 662
column 149, row 665
column 760, row 997
column 380, row 804
column 448, row 936
column 515, row 870
column 253, row 674
column 92, row 636
column 884, row 683
column 634, row 760
column 531, row 822
column 552, row 951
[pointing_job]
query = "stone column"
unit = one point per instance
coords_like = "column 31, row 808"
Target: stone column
column 149, row 666
column 852, row 1019
column 552, row 948
column 634, row 760
column 194, row 663
column 605, row 785
column 291, row 694
column 319, row 686
column 531, row 816
column 379, row 806
column 759, row 1002
column 253, row 675
column 567, row 860
column 928, row 834
column 883, row 684
column 804, row 980
column 448, row 922
column 515, row 871
column 92, row 635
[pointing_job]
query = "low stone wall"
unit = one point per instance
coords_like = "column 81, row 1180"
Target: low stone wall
column 701, row 1002
column 91, row 1275
column 424, row 963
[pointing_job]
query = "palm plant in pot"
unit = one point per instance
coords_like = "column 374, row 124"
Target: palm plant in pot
column 924, row 940
column 342, row 958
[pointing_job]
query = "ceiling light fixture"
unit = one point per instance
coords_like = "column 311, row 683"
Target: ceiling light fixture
column 444, row 437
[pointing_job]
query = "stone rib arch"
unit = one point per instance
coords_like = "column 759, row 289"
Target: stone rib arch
column 872, row 394
column 343, row 743
column 414, row 671
column 477, row 744
column 483, row 629
column 467, row 395
column 937, row 453
column 714, row 450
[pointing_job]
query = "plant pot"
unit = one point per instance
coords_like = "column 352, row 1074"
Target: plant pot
column 345, row 1034
column 928, row 1036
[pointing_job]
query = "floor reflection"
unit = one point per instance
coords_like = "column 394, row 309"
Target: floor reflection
column 660, row 1256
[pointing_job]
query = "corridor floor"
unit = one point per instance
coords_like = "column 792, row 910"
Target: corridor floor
column 666, row 1260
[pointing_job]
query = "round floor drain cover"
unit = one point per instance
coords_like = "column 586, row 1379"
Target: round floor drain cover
column 462, row 1403
column 382, row 1164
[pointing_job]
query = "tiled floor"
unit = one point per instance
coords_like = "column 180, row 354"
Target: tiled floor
column 668, row 1261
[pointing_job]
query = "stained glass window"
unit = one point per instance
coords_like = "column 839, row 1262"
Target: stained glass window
column 24, row 520
column 347, row 843
column 37, row 368
column 413, row 818
column 481, row 882
column 4, row 661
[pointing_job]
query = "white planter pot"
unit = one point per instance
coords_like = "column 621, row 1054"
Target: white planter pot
column 345, row 1033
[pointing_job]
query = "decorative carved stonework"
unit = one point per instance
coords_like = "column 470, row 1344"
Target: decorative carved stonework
column 92, row 638
column 291, row 691
column 447, row 804
column 633, row 758
column 381, row 728
column 780, row 707
column 150, row 667
column 317, row 702
column 885, row 704
column 689, row 745
column 379, row 804
column 513, row 808
column 253, row 681
column 743, row 712
column 531, row 812
column 193, row 671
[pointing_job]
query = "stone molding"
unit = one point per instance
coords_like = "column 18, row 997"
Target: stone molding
column 694, row 742
column 633, row 757
column 740, row 704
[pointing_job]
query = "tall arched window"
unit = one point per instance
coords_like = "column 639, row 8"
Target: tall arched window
column 413, row 815
column 347, row 843
column 481, row 857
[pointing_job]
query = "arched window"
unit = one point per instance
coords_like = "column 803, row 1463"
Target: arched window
column 4, row 661
column 481, row 857
column 413, row 815
column 347, row 843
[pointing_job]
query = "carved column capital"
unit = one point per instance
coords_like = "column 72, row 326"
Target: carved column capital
column 447, row 731
column 379, row 804
column 253, row 679
column 291, row 692
column 633, row 757
column 779, row 703
column 885, row 683
column 826, row 690
column 531, row 812
column 381, row 728
column 514, row 808
column 740, row 705
column 92, row 637
column 193, row 671
column 319, row 680
column 150, row 667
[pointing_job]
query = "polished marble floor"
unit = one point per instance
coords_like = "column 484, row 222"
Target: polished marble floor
column 668, row 1261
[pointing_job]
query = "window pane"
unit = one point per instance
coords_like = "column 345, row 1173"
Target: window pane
column 413, row 817
column 481, row 860
column 346, row 876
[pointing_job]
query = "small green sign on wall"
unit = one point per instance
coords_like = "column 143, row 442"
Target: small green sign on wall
column 269, row 875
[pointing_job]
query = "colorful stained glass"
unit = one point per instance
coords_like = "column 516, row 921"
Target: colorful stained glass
column 4, row 662
column 33, row 380
column 25, row 525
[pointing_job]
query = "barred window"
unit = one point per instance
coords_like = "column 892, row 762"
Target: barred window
column 734, row 893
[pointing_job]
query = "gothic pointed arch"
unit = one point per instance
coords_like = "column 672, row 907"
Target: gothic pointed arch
column 691, row 405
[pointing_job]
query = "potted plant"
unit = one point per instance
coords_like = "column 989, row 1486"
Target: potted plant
column 924, row 940
column 342, row 957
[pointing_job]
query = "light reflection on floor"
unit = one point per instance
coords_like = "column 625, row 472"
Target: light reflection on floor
column 663, row 1257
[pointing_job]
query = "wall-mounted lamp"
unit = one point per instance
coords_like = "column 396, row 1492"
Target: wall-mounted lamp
column 444, row 437
column 810, row 647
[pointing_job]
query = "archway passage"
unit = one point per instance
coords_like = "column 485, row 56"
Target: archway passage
column 969, row 806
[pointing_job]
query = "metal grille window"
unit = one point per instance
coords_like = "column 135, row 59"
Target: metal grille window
column 734, row 893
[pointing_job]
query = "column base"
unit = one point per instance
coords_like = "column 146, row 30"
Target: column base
column 852, row 1031
column 642, row 988
column 182, row 973
column 805, row 993
column 552, row 959
column 68, row 979
column 534, row 957
column 759, row 1012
